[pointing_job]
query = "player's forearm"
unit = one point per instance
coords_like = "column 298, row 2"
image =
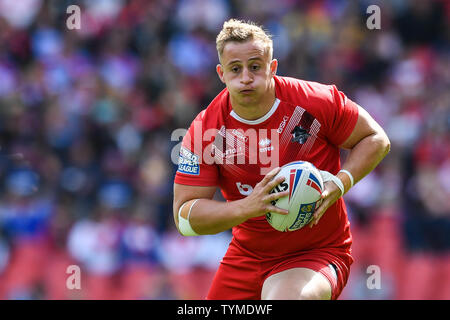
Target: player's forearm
column 211, row 216
column 364, row 157
column 201, row 215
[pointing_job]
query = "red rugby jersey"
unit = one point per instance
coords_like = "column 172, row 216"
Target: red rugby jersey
column 307, row 122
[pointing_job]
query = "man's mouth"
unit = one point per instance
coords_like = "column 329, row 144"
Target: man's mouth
column 246, row 91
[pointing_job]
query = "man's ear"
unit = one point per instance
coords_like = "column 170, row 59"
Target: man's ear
column 273, row 67
column 219, row 71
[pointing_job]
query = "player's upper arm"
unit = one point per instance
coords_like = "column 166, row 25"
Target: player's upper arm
column 183, row 193
column 365, row 126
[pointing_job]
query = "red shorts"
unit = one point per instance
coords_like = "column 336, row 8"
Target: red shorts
column 241, row 274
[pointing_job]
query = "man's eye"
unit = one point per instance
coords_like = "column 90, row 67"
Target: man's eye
column 235, row 69
column 255, row 67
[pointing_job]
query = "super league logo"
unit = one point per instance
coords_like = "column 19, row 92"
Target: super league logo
column 299, row 135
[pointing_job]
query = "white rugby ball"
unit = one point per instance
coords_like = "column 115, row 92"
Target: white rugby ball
column 305, row 185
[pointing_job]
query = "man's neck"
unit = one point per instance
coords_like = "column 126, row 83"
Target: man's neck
column 259, row 109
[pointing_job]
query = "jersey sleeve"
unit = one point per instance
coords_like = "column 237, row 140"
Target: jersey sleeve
column 194, row 165
column 340, row 114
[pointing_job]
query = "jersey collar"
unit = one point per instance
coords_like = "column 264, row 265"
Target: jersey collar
column 259, row 120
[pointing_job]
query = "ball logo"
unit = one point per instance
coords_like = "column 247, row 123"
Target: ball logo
column 304, row 215
column 306, row 208
column 283, row 186
column 313, row 182
column 293, row 180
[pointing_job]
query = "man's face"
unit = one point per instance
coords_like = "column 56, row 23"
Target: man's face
column 247, row 70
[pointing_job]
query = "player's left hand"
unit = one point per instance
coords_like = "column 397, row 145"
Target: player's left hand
column 330, row 195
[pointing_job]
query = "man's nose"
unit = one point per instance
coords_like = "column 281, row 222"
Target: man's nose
column 246, row 76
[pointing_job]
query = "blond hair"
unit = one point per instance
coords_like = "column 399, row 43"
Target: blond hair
column 241, row 31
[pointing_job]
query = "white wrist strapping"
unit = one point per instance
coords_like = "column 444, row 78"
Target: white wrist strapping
column 183, row 224
column 349, row 175
column 326, row 176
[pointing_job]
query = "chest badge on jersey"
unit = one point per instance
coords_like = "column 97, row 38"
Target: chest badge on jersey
column 300, row 135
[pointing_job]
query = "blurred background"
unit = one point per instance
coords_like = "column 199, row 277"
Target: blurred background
column 86, row 118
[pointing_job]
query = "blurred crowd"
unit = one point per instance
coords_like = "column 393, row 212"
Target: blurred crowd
column 86, row 123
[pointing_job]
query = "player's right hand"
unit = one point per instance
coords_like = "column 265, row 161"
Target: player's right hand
column 258, row 203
